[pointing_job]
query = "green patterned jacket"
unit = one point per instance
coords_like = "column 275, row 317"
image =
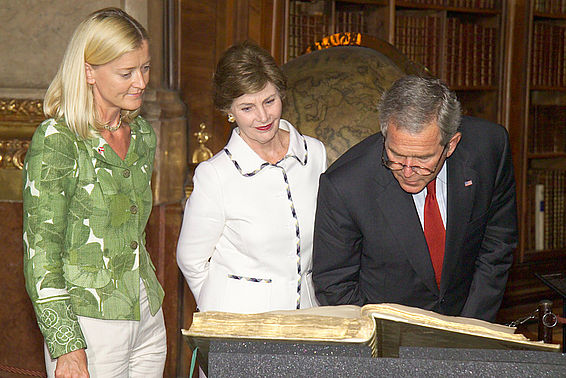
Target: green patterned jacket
column 85, row 212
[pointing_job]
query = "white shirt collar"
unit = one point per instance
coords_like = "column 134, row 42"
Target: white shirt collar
column 249, row 161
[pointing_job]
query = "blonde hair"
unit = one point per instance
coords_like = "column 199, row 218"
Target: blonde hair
column 243, row 69
column 103, row 36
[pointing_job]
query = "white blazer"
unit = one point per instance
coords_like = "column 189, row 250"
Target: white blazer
column 246, row 241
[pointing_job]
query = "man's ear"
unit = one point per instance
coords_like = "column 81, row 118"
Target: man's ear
column 453, row 143
column 89, row 71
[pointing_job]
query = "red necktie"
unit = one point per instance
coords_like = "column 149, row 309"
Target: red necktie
column 434, row 231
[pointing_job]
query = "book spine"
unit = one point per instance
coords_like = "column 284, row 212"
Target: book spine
column 564, row 55
column 548, row 56
column 451, row 52
column 537, row 137
column 562, row 216
column 421, row 33
column 434, row 43
column 561, row 81
column 556, row 224
column 484, row 57
column 555, row 43
column 491, row 56
column 476, row 66
column 400, row 33
column 414, row 39
column 461, row 55
column 468, row 52
column 535, row 58
column 547, row 213
column 539, row 217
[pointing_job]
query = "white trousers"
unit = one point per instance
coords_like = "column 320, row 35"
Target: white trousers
column 123, row 348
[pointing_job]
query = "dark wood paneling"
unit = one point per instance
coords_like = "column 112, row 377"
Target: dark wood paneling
column 162, row 233
column 198, row 56
column 21, row 343
column 524, row 290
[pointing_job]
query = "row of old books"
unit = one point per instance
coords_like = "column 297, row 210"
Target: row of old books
column 307, row 27
column 350, row 21
column 418, row 37
column 304, row 30
column 548, row 55
column 547, row 131
column 470, row 48
column 470, row 54
column 483, row 4
column 550, row 6
column 547, row 190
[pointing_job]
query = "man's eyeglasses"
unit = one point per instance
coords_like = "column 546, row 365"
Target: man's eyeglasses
column 396, row 166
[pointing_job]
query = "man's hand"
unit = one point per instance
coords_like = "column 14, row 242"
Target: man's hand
column 72, row 365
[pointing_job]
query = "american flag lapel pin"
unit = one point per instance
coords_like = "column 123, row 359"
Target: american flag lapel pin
column 468, row 183
column 100, row 149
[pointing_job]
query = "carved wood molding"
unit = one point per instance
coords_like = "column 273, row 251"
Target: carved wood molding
column 19, row 117
column 26, row 110
column 12, row 153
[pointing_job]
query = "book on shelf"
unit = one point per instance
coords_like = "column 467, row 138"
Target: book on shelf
column 433, row 42
column 451, row 51
column 462, row 63
column 539, row 217
column 382, row 327
column 550, row 6
column 548, row 54
column 492, row 73
column 536, row 50
column 549, row 214
column 563, row 59
column 417, row 37
column 487, row 62
column 469, row 52
column 547, row 188
column 307, row 24
column 352, row 21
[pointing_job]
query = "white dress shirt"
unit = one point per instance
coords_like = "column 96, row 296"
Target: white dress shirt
column 420, row 197
column 246, row 240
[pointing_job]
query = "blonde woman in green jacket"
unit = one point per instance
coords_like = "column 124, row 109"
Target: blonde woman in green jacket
column 87, row 199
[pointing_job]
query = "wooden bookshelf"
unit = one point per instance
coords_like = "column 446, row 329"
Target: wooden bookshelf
column 534, row 103
column 456, row 40
column 544, row 173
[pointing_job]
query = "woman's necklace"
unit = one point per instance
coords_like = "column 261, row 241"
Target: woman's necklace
column 114, row 128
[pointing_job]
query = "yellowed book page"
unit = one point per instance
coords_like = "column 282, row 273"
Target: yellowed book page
column 474, row 327
column 427, row 318
column 330, row 323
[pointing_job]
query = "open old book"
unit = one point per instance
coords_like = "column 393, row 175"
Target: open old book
column 382, row 327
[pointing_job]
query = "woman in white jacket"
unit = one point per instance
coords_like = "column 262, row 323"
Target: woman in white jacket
column 246, row 241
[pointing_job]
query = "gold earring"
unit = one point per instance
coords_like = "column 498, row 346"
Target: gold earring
column 231, row 118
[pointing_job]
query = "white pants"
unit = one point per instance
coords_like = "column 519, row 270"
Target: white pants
column 123, row 348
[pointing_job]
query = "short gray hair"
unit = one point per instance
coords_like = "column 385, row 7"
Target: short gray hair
column 413, row 102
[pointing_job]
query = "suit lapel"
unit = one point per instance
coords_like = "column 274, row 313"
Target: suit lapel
column 461, row 187
column 399, row 210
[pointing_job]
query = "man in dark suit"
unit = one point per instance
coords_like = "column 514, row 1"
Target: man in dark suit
column 422, row 213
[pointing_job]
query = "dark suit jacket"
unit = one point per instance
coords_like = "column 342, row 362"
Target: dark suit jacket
column 369, row 245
